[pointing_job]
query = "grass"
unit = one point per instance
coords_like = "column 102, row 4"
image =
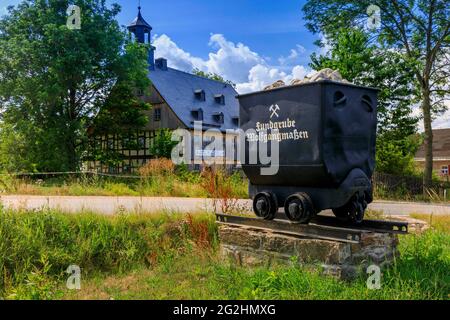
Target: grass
column 438, row 222
column 37, row 247
column 173, row 256
column 190, row 185
column 161, row 178
column 169, row 185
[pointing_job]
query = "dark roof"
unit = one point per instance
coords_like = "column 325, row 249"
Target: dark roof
column 441, row 144
column 139, row 21
column 178, row 90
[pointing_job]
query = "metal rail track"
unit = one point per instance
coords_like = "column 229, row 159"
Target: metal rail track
column 325, row 228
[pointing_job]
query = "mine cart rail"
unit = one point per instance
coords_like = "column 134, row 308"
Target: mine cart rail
column 325, row 228
column 379, row 226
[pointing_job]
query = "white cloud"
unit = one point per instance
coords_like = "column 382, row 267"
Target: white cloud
column 326, row 48
column 232, row 61
column 235, row 62
column 177, row 58
column 293, row 57
column 443, row 121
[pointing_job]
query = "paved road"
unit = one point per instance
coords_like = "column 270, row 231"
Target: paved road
column 111, row 205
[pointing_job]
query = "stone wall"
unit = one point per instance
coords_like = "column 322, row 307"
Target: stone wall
column 251, row 247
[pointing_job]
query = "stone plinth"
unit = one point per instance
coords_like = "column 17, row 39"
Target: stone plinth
column 250, row 247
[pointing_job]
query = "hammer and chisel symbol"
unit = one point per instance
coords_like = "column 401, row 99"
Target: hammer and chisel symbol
column 274, row 109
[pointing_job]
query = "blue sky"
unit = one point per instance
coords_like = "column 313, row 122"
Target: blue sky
column 252, row 43
column 270, row 28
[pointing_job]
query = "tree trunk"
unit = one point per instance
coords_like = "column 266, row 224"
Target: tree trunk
column 428, row 170
column 71, row 150
column 71, row 139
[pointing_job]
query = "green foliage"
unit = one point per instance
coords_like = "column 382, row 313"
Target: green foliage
column 184, row 174
column 123, row 111
column 417, row 31
column 162, row 144
column 362, row 63
column 38, row 247
column 397, row 156
column 181, row 183
column 55, row 80
column 13, row 142
column 212, row 76
column 174, row 257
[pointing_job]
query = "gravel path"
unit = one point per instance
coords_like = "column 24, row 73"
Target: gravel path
column 111, row 205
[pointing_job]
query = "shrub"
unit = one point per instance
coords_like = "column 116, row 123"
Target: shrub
column 163, row 144
column 155, row 167
column 219, row 186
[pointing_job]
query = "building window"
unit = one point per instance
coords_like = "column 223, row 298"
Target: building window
column 125, row 143
column 140, row 92
column 112, row 169
column 444, row 170
column 197, row 114
column 219, row 118
column 207, row 140
column 157, row 114
column 110, row 144
column 200, row 95
column 126, row 169
column 141, row 142
column 220, row 98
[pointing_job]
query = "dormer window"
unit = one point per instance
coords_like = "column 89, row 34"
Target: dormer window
column 197, row 114
column 220, row 99
column 200, row 95
column 219, row 117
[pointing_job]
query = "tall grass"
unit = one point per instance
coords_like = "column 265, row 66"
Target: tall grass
column 155, row 180
column 40, row 245
column 172, row 256
column 417, row 274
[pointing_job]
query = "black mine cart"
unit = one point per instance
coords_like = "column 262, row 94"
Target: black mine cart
column 325, row 133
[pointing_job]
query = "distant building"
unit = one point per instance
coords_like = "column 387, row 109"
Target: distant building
column 178, row 100
column 441, row 153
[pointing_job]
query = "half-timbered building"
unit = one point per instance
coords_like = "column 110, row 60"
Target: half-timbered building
column 179, row 100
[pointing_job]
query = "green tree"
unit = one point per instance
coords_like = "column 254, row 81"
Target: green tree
column 418, row 29
column 162, row 144
column 212, row 76
column 397, row 156
column 119, row 117
column 54, row 80
column 363, row 63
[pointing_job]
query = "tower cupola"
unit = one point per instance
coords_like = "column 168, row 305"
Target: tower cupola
column 142, row 34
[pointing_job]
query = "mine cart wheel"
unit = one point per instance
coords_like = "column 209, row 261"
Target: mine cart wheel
column 353, row 211
column 265, row 205
column 299, row 208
